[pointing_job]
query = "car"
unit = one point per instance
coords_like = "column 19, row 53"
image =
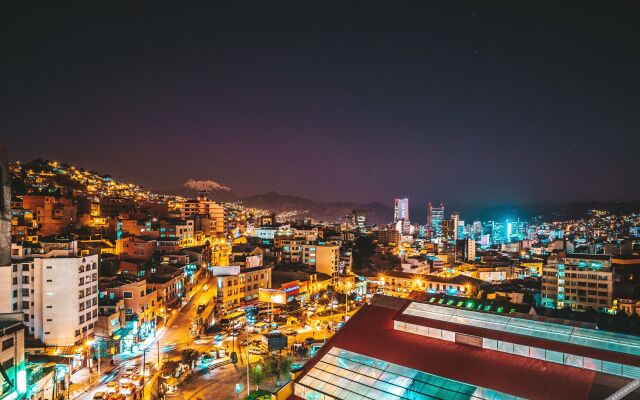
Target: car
column 309, row 340
column 205, row 288
column 244, row 342
column 201, row 308
column 113, row 387
column 132, row 369
column 99, row 396
column 290, row 332
column 125, row 378
column 235, row 333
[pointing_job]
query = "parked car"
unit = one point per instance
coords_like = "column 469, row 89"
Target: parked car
column 290, row 332
column 99, row 396
column 309, row 340
column 201, row 308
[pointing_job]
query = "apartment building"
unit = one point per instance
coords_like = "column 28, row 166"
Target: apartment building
column 581, row 281
column 208, row 216
column 136, row 247
column 236, row 285
column 57, row 292
column 53, row 214
column 328, row 260
column 140, row 303
column 12, row 360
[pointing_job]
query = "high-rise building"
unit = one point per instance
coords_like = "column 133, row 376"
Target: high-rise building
column 401, row 210
column 455, row 219
column 435, row 216
column 208, row 216
column 57, row 292
column 328, row 259
column 359, row 218
column 467, row 249
column 5, row 231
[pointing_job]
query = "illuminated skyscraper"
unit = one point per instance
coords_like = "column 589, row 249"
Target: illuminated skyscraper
column 455, row 219
column 401, row 210
column 435, row 216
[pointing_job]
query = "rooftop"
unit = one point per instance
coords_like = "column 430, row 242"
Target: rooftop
column 398, row 364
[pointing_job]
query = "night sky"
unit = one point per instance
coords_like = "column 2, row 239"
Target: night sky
column 468, row 103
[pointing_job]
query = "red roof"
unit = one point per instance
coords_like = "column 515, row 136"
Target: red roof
column 370, row 332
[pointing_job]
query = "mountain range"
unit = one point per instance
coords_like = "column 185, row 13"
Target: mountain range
column 292, row 206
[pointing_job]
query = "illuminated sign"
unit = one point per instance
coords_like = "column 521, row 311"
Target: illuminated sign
column 272, row 296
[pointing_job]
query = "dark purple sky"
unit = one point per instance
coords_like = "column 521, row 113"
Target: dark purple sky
column 468, row 103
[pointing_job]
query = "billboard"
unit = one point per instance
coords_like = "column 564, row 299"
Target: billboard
column 272, row 296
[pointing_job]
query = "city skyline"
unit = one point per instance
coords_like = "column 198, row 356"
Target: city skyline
column 497, row 105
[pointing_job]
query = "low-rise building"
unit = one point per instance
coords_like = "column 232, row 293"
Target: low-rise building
column 236, row 286
column 13, row 376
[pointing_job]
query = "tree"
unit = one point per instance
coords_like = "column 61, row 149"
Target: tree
column 294, row 308
column 257, row 374
column 363, row 249
column 190, row 356
column 277, row 365
column 169, row 367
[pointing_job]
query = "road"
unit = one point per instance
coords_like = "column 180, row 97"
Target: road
column 216, row 383
column 172, row 339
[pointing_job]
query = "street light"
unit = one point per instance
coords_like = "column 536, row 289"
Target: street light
column 347, row 286
column 89, row 343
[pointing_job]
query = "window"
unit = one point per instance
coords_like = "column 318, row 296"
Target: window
column 15, row 280
column 142, row 293
column 127, row 295
column 6, row 344
column 8, row 364
column 25, row 305
column 25, row 280
column 25, row 267
column 82, row 319
column 25, row 292
column 15, row 267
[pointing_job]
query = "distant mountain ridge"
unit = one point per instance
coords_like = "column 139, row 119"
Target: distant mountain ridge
column 65, row 178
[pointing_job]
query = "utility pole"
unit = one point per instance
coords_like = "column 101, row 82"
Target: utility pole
column 247, row 351
column 98, row 356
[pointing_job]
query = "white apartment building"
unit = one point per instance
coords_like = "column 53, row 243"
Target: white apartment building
column 58, row 294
